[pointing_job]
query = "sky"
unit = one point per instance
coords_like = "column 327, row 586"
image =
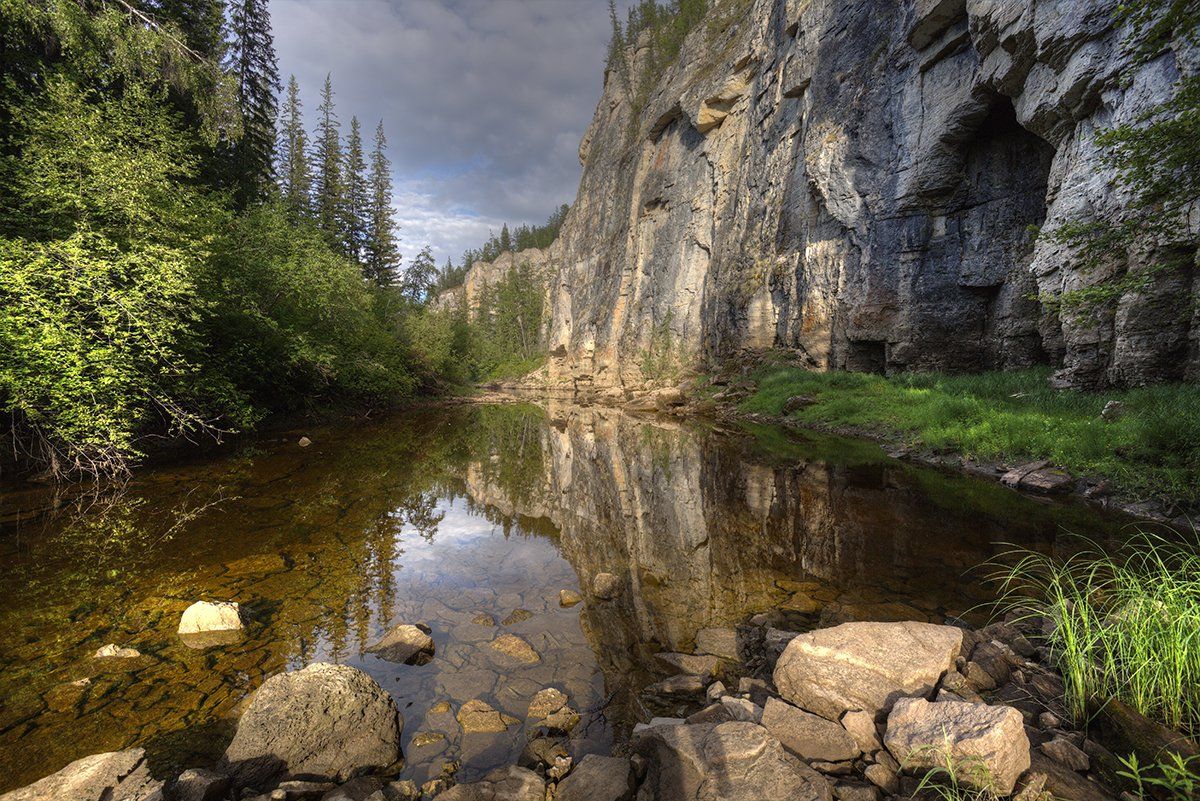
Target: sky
column 483, row 101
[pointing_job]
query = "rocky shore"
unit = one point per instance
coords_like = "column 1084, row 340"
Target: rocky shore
column 858, row 712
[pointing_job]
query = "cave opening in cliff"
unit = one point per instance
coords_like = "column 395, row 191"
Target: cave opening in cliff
column 993, row 215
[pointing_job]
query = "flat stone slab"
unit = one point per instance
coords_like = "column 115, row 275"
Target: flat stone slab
column 120, row 775
column 806, row 735
column 867, row 666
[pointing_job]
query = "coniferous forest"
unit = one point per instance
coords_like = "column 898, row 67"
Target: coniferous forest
column 183, row 251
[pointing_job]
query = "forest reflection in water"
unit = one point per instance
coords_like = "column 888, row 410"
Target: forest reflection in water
column 459, row 518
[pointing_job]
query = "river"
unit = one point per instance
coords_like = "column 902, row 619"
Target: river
column 470, row 520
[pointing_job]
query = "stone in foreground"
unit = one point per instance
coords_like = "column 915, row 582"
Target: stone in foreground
column 806, row 735
column 504, row 784
column 322, row 722
column 515, row 648
column 865, row 666
column 406, row 644
column 733, row 761
column 598, row 778
column 476, row 717
column 986, row 744
column 568, row 598
column 198, row 784
column 203, row 617
column 115, row 776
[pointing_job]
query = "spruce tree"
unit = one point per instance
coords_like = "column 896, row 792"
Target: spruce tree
column 354, row 198
column 295, row 178
column 251, row 60
column 382, row 259
column 328, row 162
column 505, row 239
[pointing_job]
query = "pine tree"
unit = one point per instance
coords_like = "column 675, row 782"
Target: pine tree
column 328, row 163
column 251, row 58
column 382, row 258
column 505, row 239
column 354, row 197
column 295, row 178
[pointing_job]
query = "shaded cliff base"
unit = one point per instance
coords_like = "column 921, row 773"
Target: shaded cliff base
column 1136, row 451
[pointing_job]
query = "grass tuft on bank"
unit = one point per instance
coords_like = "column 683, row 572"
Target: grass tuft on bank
column 1152, row 449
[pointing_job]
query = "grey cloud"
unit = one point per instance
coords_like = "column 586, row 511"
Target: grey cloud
column 484, row 101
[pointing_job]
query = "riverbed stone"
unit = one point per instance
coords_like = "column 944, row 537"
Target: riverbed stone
column 121, row 775
column 546, row 702
column 924, row 735
column 322, row 722
column 598, row 778
column 515, row 648
column 861, row 726
column 865, row 666
column 208, row 616
column 606, row 586
column 113, row 651
column 505, row 784
column 406, row 644
column 806, row 735
column 199, row 784
column 720, row 642
column 477, row 716
column 735, row 761
column 690, row 664
column 568, row 598
column 517, row 616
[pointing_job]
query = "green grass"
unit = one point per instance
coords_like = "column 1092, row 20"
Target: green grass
column 1151, row 450
column 1126, row 624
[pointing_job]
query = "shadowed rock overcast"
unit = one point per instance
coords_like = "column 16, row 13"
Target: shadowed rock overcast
column 484, row 101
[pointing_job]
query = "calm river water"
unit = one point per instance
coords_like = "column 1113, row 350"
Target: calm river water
column 445, row 517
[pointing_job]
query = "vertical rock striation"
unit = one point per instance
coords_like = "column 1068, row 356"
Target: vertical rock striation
column 859, row 181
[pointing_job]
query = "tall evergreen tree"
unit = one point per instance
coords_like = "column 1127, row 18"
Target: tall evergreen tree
column 382, row 259
column 328, row 162
column 295, row 178
column 505, row 239
column 354, row 198
column 251, row 59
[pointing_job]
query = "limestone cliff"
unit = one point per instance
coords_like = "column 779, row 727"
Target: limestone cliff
column 860, row 182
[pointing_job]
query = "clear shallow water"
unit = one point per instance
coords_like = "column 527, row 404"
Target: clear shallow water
column 443, row 516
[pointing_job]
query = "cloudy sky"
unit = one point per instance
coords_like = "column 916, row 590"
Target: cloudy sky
column 483, row 101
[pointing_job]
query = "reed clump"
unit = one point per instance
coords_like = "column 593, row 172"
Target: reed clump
column 1121, row 624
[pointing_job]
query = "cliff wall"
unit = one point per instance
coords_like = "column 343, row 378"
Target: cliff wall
column 861, row 182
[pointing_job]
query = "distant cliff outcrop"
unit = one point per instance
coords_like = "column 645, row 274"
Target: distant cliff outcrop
column 861, row 182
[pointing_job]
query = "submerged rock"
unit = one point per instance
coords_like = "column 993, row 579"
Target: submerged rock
column 322, row 722
column 546, row 702
column 117, row 775
column 734, row 761
column 407, row 644
column 515, row 648
column 568, row 598
column 207, row 616
column 477, row 716
column 865, row 666
column 987, row 744
column 112, row 651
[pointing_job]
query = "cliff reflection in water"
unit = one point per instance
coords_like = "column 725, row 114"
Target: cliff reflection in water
column 470, row 520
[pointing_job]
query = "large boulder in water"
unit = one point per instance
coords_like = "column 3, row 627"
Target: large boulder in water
column 734, row 761
column 986, row 744
column 323, row 722
column 121, row 775
column 206, row 616
column 867, row 666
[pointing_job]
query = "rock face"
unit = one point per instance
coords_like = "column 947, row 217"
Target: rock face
column 856, row 181
column 322, row 722
column 734, row 761
column 986, row 744
column 866, row 666
column 121, row 775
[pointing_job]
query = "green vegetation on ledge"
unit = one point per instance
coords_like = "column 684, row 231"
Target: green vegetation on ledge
column 1151, row 448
